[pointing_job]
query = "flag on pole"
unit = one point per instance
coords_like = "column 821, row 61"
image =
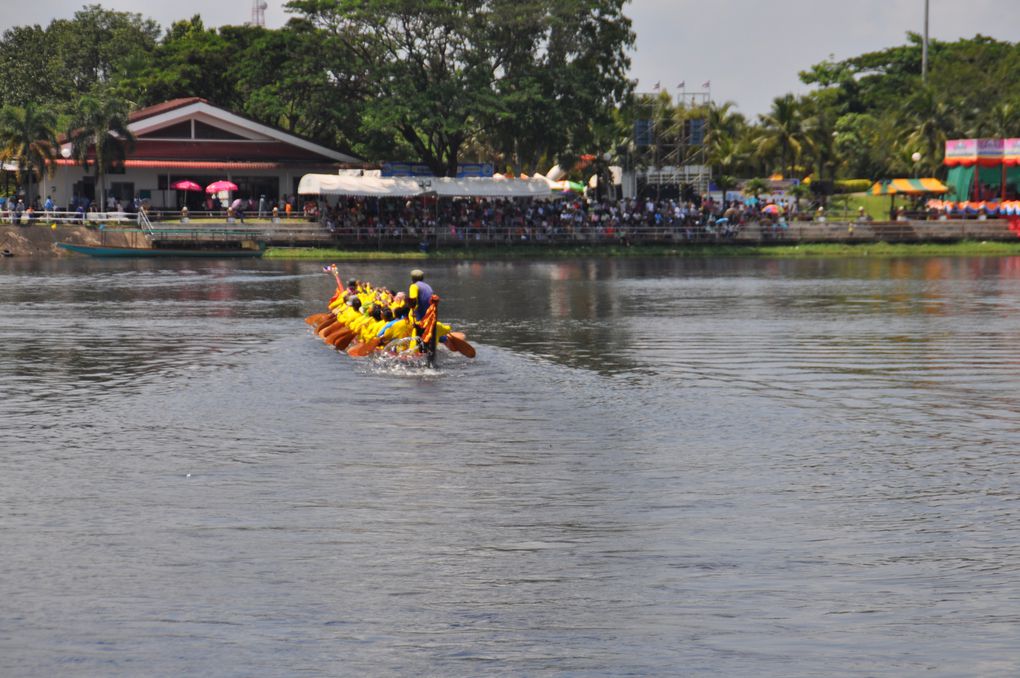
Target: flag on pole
column 657, row 85
column 682, row 85
column 707, row 84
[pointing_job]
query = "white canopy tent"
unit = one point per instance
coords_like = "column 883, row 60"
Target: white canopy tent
column 403, row 187
column 489, row 188
column 381, row 187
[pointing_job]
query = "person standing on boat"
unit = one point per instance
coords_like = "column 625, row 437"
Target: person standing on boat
column 419, row 295
column 419, row 300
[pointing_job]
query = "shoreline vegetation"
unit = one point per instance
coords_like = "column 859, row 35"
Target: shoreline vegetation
column 871, row 249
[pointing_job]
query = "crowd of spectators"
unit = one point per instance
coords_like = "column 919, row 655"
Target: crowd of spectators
column 564, row 219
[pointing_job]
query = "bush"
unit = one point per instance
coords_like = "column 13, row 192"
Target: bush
column 852, row 185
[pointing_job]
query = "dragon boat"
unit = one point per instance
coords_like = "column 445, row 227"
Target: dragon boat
column 370, row 331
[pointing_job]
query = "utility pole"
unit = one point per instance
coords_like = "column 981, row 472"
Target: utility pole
column 924, row 45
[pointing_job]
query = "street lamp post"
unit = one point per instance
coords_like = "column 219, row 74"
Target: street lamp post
column 609, row 192
column 924, row 45
column 916, row 157
column 425, row 185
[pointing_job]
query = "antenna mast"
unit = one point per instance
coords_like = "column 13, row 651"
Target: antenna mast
column 258, row 13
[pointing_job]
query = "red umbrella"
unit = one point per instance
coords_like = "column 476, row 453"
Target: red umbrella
column 217, row 186
column 185, row 185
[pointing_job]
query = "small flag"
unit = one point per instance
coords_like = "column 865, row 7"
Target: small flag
column 707, row 84
column 657, row 85
column 683, row 84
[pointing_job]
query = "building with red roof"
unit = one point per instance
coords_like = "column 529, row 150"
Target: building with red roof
column 192, row 139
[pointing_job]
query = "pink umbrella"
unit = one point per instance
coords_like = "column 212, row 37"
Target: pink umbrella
column 771, row 209
column 217, row 186
column 185, row 185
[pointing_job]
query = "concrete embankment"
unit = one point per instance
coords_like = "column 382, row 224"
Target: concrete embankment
column 885, row 231
column 41, row 239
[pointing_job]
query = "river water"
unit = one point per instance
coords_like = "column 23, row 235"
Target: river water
column 719, row 467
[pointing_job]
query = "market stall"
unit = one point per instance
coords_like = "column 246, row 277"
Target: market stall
column 983, row 169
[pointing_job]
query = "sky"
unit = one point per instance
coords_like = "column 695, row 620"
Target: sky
column 750, row 51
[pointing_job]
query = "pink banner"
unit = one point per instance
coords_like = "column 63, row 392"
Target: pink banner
column 1011, row 151
column 961, row 152
column 990, row 149
column 969, row 152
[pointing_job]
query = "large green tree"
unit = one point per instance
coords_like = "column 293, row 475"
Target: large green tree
column 190, row 61
column 28, row 138
column 303, row 80
column 884, row 112
column 98, row 46
column 442, row 73
column 29, row 70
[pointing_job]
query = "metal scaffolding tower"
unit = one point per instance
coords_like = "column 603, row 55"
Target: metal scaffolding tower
column 258, row 13
column 670, row 137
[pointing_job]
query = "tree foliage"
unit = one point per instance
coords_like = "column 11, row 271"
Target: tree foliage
column 885, row 113
column 445, row 73
column 99, row 134
column 520, row 83
column 28, row 138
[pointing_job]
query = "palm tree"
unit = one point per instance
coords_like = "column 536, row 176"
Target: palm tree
column 99, row 135
column 931, row 121
column 782, row 133
column 820, row 141
column 724, row 123
column 755, row 187
column 799, row 192
column 728, row 141
column 725, row 183
column 1003, row 120
column 28, row 137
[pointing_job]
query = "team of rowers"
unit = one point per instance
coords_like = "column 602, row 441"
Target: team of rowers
column 363, row 318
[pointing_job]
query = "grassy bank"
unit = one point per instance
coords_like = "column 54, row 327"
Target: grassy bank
column 964, row 248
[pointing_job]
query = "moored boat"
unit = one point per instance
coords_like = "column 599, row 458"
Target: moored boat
column 254, row 251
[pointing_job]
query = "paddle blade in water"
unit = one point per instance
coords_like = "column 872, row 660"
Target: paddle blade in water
column 331, row 333
column 324, row 328
column 455, row 342
column 363, row 349
column 317, row 318
column 343, row 340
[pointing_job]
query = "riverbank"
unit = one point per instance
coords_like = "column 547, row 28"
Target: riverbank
column 40, row 241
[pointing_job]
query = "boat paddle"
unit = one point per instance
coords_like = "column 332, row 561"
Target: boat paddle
column 343, row 340
column 317, row 318
column 365, row 348
column 455, row 341
column 330, row 336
